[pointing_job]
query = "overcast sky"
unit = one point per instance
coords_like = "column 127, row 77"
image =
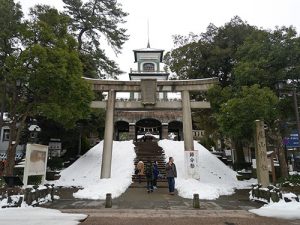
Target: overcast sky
column 169, row 17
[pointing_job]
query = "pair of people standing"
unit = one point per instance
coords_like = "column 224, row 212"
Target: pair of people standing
column 151, row 173
column 171, row 173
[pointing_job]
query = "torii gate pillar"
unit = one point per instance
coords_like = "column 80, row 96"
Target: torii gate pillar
column 108, row 135
column 191, row 156
column 187, row 121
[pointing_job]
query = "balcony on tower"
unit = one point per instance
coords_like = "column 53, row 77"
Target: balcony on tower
column 148, row 64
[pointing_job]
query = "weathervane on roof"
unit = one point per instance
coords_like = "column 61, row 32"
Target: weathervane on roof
column 148, row 45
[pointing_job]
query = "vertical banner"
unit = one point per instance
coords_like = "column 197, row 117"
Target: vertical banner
column 191, row 161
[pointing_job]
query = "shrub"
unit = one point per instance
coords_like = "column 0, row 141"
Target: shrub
column 55, row 163
column 292, row 179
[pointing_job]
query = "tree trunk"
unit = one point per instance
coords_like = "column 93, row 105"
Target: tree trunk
column 79, row 38
column 14, row 140
column 282, row 160
column 11, row 151
column 240, row 158
column 2, row 108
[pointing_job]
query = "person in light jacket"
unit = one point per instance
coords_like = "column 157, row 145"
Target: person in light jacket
column 140, row 167
column 171, row 173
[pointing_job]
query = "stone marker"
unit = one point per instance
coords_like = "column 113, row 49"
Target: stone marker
column 261, row 155
column 108, row 201
column 196, row 201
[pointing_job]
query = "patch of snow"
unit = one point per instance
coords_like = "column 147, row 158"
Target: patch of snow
column 5, row 116
column 148, row 134
column 37, row 216
column 281, row 209
column 42, row 201
column 19, row 166
column 85, row 172
column 294, row 173
column 172, row 136
column 56, row 197
column 42, row 187
column 244, row 171
column 34, row 127
column 289, row 195
column 215, row 177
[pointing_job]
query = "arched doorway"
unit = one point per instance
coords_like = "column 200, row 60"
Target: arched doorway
column 148, row 128
column 121, row 130
column 176, row 128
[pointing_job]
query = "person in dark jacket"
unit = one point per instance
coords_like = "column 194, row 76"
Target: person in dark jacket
column 155, row 174
column 149, row 176
column 171, row 173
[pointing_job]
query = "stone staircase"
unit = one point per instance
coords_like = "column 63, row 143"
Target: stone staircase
column 149, row 150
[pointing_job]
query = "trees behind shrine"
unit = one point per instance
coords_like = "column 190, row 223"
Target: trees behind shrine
column 241, row 55
column 43, row 58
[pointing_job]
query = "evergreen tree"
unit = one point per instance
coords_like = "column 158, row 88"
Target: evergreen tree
column 11, row 26
column 240, row 55
column 267, row 57
column 42, row 74
column 237, row 115
column 90, row 22
column 211, row 54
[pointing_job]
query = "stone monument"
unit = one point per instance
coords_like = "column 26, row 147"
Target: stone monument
column 261, row 155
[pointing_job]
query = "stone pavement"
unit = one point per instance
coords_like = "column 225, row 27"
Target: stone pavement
column 138, row 207
column 138, row 198
column 175, row 217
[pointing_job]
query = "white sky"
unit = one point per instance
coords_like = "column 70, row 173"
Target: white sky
column 169, row 17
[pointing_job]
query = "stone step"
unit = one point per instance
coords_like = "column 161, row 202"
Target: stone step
column 144, row 179
column 149, row 151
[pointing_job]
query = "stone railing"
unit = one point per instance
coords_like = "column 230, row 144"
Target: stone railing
column 34, row 196
column 270, row 194
column 149, row 72
column 158, row 99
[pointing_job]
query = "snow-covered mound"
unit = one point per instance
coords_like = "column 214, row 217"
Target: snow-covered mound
column 85, row 172
column 281, row 210
column 215, row 177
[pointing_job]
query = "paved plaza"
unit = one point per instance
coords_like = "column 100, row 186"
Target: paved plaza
column 137, row 197
column 136, row 206
column 177, row 217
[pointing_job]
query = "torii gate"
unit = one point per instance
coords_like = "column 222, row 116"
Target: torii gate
column 149, row 89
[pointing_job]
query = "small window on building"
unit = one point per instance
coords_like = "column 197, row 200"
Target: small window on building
column 148, row 67
column 5, row 136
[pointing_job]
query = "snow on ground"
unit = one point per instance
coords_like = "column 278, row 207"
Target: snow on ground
column 85, row 172
column 215, row 177
column 282, row 209
column 37, row 216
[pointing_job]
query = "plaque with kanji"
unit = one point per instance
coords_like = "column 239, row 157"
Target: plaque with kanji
column 148, row 88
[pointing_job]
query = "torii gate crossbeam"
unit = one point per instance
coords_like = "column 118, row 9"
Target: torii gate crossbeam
column 148, row 88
